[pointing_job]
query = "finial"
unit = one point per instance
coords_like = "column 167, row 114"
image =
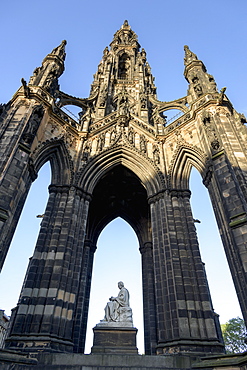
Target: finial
column 60, row 50
column 189, row 56
column 126, row 25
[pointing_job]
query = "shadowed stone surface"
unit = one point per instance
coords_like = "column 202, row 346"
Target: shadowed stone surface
column 114, row 340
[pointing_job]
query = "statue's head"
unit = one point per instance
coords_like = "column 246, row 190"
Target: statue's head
column 120, row 284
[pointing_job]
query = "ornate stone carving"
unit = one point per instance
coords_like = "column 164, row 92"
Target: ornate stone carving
column 156, row 154
column 210, row 130
column 32, row 171
column 143, row 144
column 143, row 100
column 183, row 193
column 156, row 117
column 103, row 97
column 131, row 136
column 213, row 86
column 25, row 88
column 113, row 135
column 51, row 83
column 221, row 95
column 101, row 142
column 86, row 151
column 189, row 56
column 85, row 118
column 32, row 125
column 35, row 76
column 208, row 176
column 60, row 50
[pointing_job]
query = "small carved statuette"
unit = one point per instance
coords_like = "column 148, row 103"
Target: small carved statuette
column 210, row 130
column 198, row 90
column 143, row 144
column 32, row 125
column 35, row 78
column 156, row 155
column 101, row 142
column 103, row 97
column 86, row 151
column 221, row 95
column 25, row 88
column 51, row 83
column 131, row 135
column 113, row 135
column 143, row 100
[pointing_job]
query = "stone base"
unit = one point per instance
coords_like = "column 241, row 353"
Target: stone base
column 10, row 360
column 114, row 340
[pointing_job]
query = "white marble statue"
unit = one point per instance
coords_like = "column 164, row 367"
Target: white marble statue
column 117, row 309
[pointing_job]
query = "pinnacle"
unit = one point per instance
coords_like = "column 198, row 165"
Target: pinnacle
column 126, row 25
column 189, row 55
column 60, row 50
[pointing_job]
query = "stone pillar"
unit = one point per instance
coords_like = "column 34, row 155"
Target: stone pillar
column 82, row 301
column 16, row 170
column 230, row 207
column 150, row 332
column 46, row 310
column 185, row 318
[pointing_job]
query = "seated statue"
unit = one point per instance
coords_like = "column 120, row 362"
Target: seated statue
column 118, row 308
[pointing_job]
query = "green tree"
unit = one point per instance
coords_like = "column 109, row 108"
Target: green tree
column 234, row 335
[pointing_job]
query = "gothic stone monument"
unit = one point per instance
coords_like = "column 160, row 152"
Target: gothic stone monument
column 122, row 159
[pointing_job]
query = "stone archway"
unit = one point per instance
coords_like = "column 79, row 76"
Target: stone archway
column 119, row 193
column 116, row 190
column 142, row 168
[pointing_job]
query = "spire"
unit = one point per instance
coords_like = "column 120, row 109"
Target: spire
column 189, row 56
column 52, row 67
column 123, row 82
column 195, row 72
column 125, row 36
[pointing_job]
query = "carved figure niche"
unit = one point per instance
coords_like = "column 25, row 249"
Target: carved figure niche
column 124, row 66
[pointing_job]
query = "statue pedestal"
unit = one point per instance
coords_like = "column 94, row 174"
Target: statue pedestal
column 114, row 339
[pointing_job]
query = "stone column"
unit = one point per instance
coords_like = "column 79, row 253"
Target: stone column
column 150, row 332
column 82, row 301
column 230, row 207
column 185, row 318
column 16, row 171
column 46, row 310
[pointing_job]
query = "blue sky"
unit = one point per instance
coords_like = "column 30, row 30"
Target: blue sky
column 215, row 30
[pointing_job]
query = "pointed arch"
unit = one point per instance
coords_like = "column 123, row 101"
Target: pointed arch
column 119, row 193
column 141, row 166
column 56, row 152
column 184, row 158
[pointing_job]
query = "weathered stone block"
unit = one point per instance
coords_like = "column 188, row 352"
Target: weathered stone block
column 114, row 340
